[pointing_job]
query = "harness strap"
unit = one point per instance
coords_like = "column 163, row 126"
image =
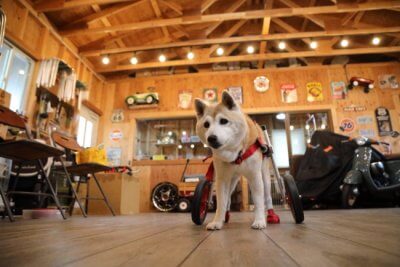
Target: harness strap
column 250, row 151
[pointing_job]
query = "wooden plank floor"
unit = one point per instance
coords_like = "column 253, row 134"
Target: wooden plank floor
column 327, row 238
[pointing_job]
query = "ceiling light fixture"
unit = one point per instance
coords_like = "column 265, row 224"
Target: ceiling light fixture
column 281, row 116
column 162, row 58
column 313, row 44
column 190, row 55
column 105, row 60
column 134, row 59
column 220, row 51
column 250, row 49
column 344, row 43
column 376, row 40
column 282, row 45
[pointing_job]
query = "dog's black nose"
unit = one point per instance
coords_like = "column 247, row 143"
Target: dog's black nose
column 213, row 141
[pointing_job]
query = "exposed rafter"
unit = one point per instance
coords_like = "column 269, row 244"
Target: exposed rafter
column 249, row 38
column 50, row 5
column 265, row 30
column 254, row 57
column 235, row 6
column 206, row 4
column 255, row 14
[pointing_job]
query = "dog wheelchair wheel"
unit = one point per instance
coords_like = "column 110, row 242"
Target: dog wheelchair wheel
column 293, row 198
column 200, row 202
column 165, row 196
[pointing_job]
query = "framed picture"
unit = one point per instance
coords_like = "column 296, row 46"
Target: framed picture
column 210, row 94
column 185, row 99
column 388, row 81
column 314, row 91
column 236, row 93
column 339, row 90
column 289, row 93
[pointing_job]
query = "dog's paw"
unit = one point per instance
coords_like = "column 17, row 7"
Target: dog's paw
column 214, row 226
column 259, row 224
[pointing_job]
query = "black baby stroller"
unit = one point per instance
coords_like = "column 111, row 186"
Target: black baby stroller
column 321, row 170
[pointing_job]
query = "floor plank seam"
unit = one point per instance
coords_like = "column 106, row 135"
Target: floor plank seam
column 281, row 248
column 193, row 250
column 120, row 245
column 352, row 241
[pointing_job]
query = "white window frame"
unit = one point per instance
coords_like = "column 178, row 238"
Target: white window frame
column 94, row 118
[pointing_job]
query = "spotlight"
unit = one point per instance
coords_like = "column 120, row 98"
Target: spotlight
column 250, row 49
column 190, row 55
column 291, row 127
column 282, row 45
column 344, row 43
column 192, row 146
column 307, row 127
column 220, row 51
column 376, row 40
column 134, row 60
column 162, row 58
column 281, row 116
column 313, row 44
column 179, row 146
column 105, row 60
column 323, row 126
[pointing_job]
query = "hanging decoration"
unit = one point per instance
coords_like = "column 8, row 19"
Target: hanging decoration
column 339, row 90
column 314, row 91
column 66, row 90
column 47, row 73
column 289, row 93
column 210, row 95
column 261, row 84
column 185, row 99
column 383, row 121
column 388, row 81
column 236, row 93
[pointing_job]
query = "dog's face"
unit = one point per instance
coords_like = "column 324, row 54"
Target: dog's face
column 221, row 125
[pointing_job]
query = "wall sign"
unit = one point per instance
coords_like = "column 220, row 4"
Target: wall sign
column 314, row 91
column 364, row 120
column 116, row 135
column 339, row 90
column 347, row 125
column 261, row 84
column 383, row 121
column 289, row 93
column 236, row 93
column 388, row 81
column 117, row 116
column 210, row 94
column 366, row 132
column 185, row 99
column 354, row 108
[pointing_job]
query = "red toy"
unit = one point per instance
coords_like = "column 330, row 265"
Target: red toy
column 367, row 84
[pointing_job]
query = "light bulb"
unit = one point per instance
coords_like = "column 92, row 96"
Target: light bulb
column 162, row 58
column 376, row 41
column 282, row 45
column 344, row 43
column 105, row 60
column 134, row 60
column 190, row 55
column 281, row 116
column 313, row 44
column 220, row 51
column 307, row 127
column 250, row 49
column 291, row 127
column 192, row 146
column 179, row 146
column 323, row 126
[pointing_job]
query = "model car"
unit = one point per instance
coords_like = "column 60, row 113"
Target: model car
column 357, row 81
column 142, row 98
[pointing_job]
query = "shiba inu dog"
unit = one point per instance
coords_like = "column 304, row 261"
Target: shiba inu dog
column 229, row 132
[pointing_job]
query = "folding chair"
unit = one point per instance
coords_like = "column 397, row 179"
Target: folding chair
column 83, row 169
column 21, row 151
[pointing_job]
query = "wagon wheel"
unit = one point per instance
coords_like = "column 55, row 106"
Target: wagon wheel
column 200, row 202
column 165, row 196
column 184, row 205
column 293, row 198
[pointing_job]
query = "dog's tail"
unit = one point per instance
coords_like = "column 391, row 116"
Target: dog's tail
column 266, row 176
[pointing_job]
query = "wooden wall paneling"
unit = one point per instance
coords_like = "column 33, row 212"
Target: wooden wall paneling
column 32, row 33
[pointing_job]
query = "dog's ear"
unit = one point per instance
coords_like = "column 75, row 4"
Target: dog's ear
column 228, row 101
column 200, row 106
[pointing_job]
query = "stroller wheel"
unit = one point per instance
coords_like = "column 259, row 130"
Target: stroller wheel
column 165, row 196
column 200, row 202
column 349, row 196
column 293, row 198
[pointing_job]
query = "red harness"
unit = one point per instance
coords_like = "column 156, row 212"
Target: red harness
column 241, row 157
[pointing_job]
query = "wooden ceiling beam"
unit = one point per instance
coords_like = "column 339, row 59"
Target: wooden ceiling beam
column 49, row 5
column 255, row 14
column 157, row 12
column 265, row 30
column 173, row 6
column 248, row 38
column 228, row 33
column 312, row 18
column 115, row 9
column 254, row 57
column 206, row 4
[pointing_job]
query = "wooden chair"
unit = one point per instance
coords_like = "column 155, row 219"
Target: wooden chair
column 83, row 169
column 21, row 151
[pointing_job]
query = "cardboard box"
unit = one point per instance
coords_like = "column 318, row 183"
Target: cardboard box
column 5, row 98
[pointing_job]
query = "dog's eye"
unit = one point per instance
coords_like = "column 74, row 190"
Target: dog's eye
column 206, row 124
column 223, row 121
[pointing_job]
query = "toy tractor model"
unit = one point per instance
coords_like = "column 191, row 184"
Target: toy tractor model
column 142, row 99
column 367, row 84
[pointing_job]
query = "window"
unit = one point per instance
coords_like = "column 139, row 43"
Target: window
column 87, row 128
column 15, row 74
